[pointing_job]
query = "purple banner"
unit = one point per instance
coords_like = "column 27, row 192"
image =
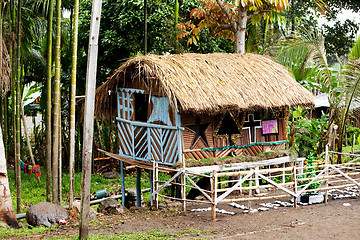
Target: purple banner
column 270, row 127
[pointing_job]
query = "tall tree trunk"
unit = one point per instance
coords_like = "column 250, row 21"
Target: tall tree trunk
column 1, row 68
column 145, row 27
column 176, row 21
column 7, row 213
column 241, row 30
column 13, row 97
column 1, row 41
column 48, row 100
column 56, row 126
column 60, row 163
column 292, row 19
column 89, row 118
column 18, row 99
column 6, row 123
column 72, row 105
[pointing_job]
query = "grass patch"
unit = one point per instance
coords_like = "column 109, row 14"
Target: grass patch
column 155, row 234
column 348, row 149
column 33, row 192
column 23, row 232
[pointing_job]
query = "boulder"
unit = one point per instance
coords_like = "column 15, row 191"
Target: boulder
column 111, row 206
column 75, row 211
column 130, row 198
column 111, row 175
column 45, row 213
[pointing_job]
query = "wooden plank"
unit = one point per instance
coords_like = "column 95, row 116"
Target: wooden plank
column 237, row 166
column 141, row 164
column 102, row 158
column 141, row 124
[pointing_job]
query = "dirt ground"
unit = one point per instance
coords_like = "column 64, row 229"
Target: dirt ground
column 318, row 221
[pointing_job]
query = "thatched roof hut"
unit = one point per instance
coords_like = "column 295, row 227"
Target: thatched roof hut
column 209, row 83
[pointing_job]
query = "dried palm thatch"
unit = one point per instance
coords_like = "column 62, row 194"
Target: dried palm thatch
column 4, row 70
column 209, row 83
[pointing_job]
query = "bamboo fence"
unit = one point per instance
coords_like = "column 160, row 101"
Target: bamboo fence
column 292, row 179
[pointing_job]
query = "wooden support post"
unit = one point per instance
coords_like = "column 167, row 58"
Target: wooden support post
column 257, row 182
column 295, row 182
column 89, row 118
column 241, row 190
column 151, row 179
column 283, row 174
column 213, row 190
column 138, row 187
column 327, row 172
column 250, row 196
column 183, row 186
column 334, row 147
column 156, row 178
column 122, row 183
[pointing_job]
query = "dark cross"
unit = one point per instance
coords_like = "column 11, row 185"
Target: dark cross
column 200, row 132
column 252, row 125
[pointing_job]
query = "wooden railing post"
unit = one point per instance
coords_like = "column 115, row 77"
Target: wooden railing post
column 295, row 181
column 283, row 174
column 326, row 172
column 213, row 190
column 156, row 184
column 257, row 182
column 183, row 184
column 250, row 194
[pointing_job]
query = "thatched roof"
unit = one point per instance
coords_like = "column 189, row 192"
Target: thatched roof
column 210, row 83
column 4, row 69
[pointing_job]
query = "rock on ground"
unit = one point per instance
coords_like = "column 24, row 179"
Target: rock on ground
column 111, row 175
column 45, row 213
column 111, row 206
column 130, row 198
column 75, row 211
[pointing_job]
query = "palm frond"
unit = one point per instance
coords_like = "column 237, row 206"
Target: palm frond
column 307, row 45
column 355, row 51
column 351, row 87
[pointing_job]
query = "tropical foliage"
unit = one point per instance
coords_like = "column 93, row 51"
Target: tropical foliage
column 343, row 87
column 229, row 19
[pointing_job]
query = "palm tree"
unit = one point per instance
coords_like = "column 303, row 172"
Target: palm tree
column 18, row 99
column 7, row 213
column 48, row 100
column 57, row 112
column 72, row 104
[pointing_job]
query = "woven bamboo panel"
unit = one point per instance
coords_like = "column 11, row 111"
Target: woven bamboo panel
column 282, row 129
column 244, row 139
column 199, row 144
column 198, row 154
column 223, row 153
column 220, row 142
column 210, row 135
column 239, row 151
column 188, row 137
